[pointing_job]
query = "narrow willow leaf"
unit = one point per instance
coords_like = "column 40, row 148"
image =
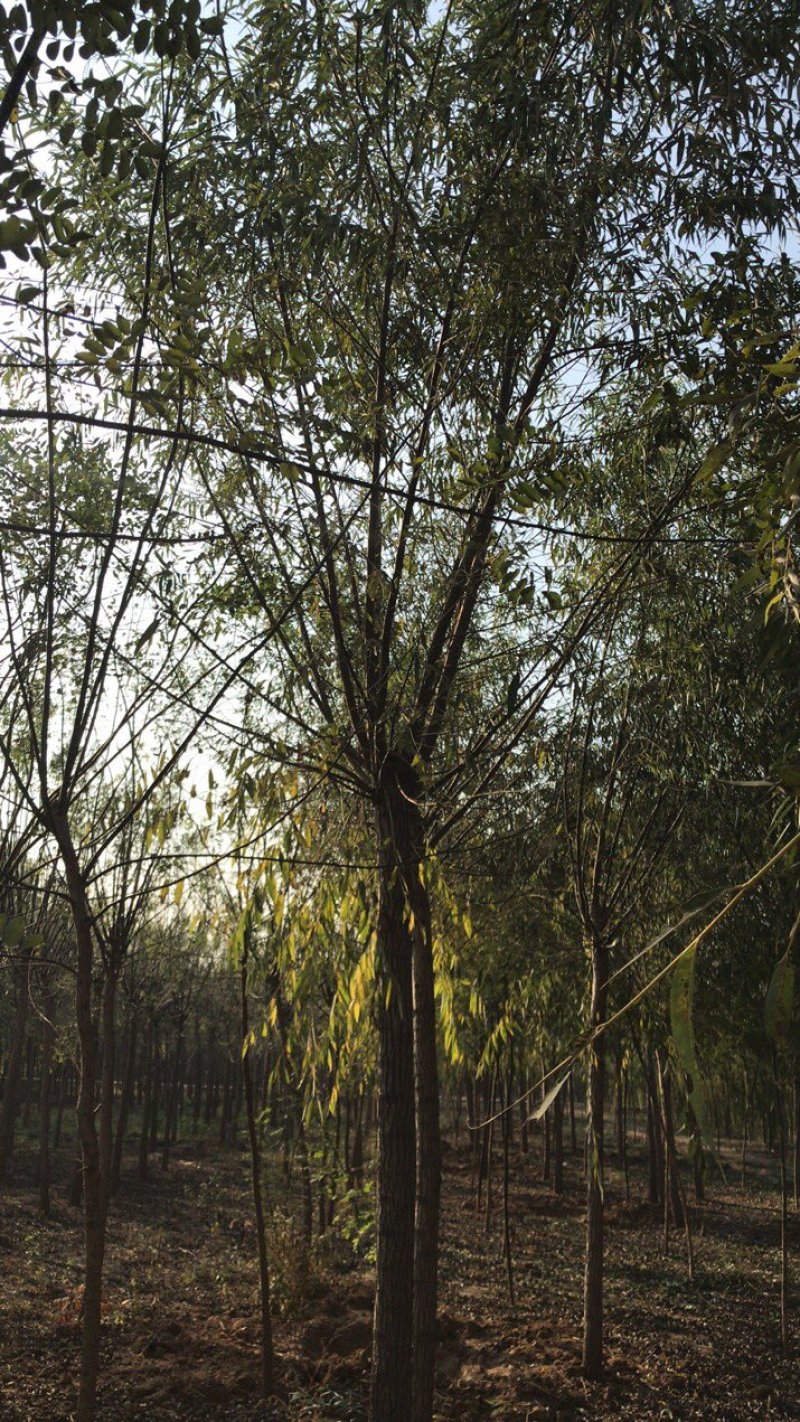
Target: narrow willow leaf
column 681, row 1001
column 681, row 1009
column 549, row 1098
column 778, row 1004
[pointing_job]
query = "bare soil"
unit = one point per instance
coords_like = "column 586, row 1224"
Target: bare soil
column 181, row 1332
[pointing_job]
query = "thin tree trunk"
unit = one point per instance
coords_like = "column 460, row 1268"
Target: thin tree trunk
column 237, row 1094
column 126, row 1101
column 593, row 1279
column 781, row 1122
column 197, row 1088
column 546, row 1132
column 224, row 1119
column 63, row 1086
column 796, row 1170
column 655, row 1154
column 506, row 1219
column 156, row 1086
column 523, row 1114
column 211, row 1078
column 573, row 1132
column 75, row 1191
column 485, row 1140
column 144, row 1138
column 30, row 1073
column 696, row 1146
column 172, row 1086
column 267, row 1349
column 45, row 1100
column 558, row 1144
column 13, row 1082
column 625, row 1170
column 357, row 1158
column 671, row 1156
column 489, row 1151
column 305, row 1171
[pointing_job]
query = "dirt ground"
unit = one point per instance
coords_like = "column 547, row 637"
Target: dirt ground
column 181, row 1341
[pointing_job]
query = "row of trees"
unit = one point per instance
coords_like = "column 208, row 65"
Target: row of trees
column 392, row 394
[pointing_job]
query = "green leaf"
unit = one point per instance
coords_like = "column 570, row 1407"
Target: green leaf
column 14, row 929
column 681, row 1010
column 549, row 1097
column 15, row 233
column 789, row 775
column 714, row 460
column 147, row 634
column 681, row 1001
column 779, row 1000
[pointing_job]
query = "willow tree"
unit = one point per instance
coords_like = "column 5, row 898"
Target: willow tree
column 390, row 234
column 83, row 685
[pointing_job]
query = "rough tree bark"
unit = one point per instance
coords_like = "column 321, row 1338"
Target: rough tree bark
column 396, row 1159
column 93, row 1192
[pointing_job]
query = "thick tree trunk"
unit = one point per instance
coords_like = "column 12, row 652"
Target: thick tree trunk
column 396, row 1163
column 428, row 1141
column 106, row 1135
column 593, row 1278
column 93, row 1190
